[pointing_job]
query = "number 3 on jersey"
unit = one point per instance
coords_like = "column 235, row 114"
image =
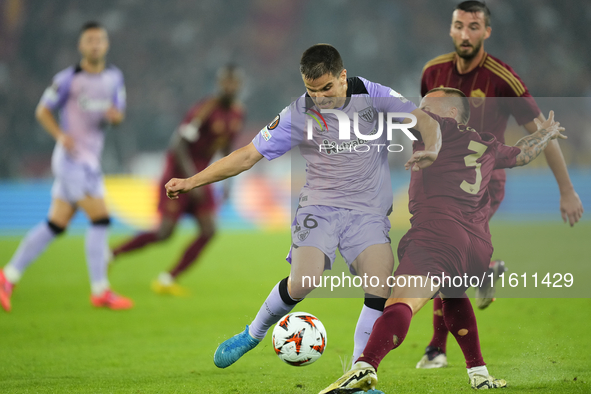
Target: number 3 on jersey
column 470, row 161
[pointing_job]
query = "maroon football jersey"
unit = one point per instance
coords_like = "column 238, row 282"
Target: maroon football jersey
column 454, row 187
column 217, row 131
column 490, row 79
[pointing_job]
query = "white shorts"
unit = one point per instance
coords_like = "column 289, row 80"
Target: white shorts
column 328, row 228
column 73, row 182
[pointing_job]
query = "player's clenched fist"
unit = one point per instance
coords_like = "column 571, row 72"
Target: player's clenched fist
column 176, row 186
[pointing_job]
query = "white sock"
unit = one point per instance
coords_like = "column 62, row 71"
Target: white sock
column 12, row 274
column 165, row 279
column 31, row 247
column 367, row 318
column 362, row 365
column 270, row 312
column 98, row 288
column 482, row 370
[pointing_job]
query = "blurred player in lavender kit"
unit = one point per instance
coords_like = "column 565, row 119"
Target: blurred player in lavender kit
column 347, row 196
column 449, row 202
column 89, row 96
column 479, row 75
column 209, row 126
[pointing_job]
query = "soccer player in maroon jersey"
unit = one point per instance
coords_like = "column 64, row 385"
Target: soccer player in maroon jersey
column 480, row 75
column 449, row 235
column 209, row 126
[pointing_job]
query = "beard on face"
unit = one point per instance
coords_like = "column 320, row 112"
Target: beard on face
column 468, row 55
column 226, row 101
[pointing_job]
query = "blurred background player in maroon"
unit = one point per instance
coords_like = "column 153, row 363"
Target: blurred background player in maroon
column 210, row 126
column 480, row 75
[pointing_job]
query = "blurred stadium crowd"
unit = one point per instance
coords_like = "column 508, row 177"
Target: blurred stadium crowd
column 169, row 51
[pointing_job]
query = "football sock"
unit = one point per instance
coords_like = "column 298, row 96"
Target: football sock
column 165, row 279
column 371, row 311
column 440, row 331
column 190, row 255
column 388, row 333
column 30, row 248
column 461, row 322
column 96, row 256
column 137, row 242
column 273, row 309
column 482, row 370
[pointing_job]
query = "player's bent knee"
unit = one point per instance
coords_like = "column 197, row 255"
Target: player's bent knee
column 57, row 230
column 373, row 302
column 415, row 304
column 102, row 222
column 300, row 287
column 284, row 293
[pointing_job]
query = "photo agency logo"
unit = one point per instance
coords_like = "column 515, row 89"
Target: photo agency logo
column 362, row 141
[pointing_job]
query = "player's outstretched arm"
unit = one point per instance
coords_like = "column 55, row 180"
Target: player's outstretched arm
column 571, row 207
column 431, row 135
column 49, row 123
column 534, row 144
column 229, row 166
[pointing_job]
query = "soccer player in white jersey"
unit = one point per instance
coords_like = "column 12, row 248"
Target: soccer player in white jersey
column 348, row 193
column 89, row 96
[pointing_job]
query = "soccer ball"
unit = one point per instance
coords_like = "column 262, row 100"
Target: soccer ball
column 299, row 339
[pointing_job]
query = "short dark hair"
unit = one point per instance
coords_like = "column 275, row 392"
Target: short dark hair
column 474, row 6
column 90, row 25
column 230, row 70
column 462, row 104
column 321, row 59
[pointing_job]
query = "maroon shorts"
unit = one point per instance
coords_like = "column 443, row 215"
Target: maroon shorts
column 496, row 191
column 437, row 247
column 174, row 209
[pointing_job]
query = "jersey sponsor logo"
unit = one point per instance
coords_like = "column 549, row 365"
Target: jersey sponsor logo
column 266, row 134
column 88, row 104
column 477, row 98
column 273, row 123
column 333, row 148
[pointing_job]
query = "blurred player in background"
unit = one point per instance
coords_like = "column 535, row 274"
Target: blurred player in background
column 449, row 234
column 479, row 75
column 89, row 96
column 209, row 127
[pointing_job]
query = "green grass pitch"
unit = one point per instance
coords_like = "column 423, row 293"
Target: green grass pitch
column 55, row 342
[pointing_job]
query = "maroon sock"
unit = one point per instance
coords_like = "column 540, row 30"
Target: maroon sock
column 461, row 322
column 137, row 242
column 387, row 334
column 190, row 256
column 440, row 330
